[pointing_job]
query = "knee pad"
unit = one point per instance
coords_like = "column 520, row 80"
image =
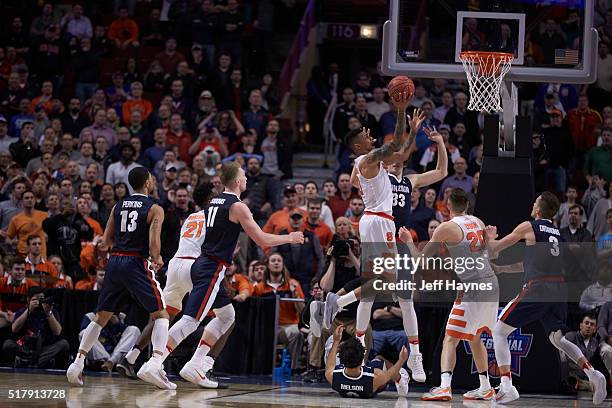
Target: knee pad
column 226, row 314
column 186, row 325
column 224, row 318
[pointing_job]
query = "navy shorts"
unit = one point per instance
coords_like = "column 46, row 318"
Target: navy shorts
column 129, row 279
column 376, row 363
column 208, row 291
column 544, row 301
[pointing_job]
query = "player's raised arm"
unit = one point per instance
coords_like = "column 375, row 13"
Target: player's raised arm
column 241, row 213
column 441, row 170
column 157, row 218
column 495, row 246
column 388, row 153
column 330, row 363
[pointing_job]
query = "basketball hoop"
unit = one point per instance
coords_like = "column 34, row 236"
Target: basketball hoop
column 485, row 73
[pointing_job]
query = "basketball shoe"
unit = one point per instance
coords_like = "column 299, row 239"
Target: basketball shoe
column 506, row 394
column 415, row 364
column 331, row 309
column 478, row 394
column 75, row 373
column 402, row 384
column 438, row 394
column 197, row 376
column 153, row 372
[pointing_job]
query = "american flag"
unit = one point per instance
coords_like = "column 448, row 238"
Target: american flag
column 566, row 56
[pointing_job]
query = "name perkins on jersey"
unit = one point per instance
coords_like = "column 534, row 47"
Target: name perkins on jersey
column 131, row 204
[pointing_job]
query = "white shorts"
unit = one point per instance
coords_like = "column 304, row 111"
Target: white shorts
column 468, row 319
column 377, row 229
column 178, row 282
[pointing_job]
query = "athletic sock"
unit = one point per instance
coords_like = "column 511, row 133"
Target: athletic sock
column 347, row 299
column 201, row 352
column 132, row 355
column 91, row 334
column 159, row 338
column 414, row 346
column 484, row 381
column 588, row 369
column 506, row 380
column 446, row 379
column 361, row 338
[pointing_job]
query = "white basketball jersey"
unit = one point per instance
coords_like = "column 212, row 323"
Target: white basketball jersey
column 376, row 192
column 193, row 233
column 471, row 246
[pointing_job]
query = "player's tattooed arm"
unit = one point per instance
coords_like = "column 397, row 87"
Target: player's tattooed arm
column 384, row 153
column 155, row 226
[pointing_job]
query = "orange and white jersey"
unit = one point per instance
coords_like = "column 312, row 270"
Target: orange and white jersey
column 376, row 192
column 471, row 246
column 193, row 233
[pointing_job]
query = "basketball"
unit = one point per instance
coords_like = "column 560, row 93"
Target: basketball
column 398, row 85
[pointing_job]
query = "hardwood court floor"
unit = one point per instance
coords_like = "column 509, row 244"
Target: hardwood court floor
column 107, row 391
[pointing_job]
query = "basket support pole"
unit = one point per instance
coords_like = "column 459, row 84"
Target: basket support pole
column 509, row 96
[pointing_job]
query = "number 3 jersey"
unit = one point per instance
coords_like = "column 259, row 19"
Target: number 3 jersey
column 544, row 258
column 131, row 226
column 221, row 233
column 193, row 233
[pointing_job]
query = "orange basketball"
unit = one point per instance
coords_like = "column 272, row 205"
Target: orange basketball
column 398, row 85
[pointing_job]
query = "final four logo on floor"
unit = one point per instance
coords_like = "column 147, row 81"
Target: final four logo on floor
column 520, row 344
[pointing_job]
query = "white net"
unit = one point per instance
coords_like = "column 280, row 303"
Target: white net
column 485, row 74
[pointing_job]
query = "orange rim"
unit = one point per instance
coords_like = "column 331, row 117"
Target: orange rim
column 488, row 62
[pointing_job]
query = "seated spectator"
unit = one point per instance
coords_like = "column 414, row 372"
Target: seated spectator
column 92, row 282
column 343, row 264
column 76, row 24
column 257, row 271
column 101, row 128
column 239, row 287
column 38, row 330
column 152, row 29
column 43, row 21
column 459, row 113
column 388, row 336
column 27, row 223
column 169, row 57
column 278, row 282
column 124, row 31
column 597, row 159
column 562, row 217
column 304, row 261
column 39, row 269
column 114, row 342
column 598, row 220
column 63, row 281
column 231, row 24
column 136, row 102
column 604, row 330
column 315, row 224
column 378, row 106
column 600, row 292
column 154, row 79
column 588, row 341
column 14, row 287
column 316, row 344
column 118, row 171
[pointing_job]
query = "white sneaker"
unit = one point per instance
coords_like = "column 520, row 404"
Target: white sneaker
column 438, row 394
column 316, row 317
column 478, row 394
column 153, row 373
column 331, row 309
column 208, row 364
column 415, row 364
column 598, row 385
column 74, row 373
column 402, row 384
column 506, row 394
column 197, row 376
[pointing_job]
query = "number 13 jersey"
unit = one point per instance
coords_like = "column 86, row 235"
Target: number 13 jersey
column 131, row 226
column 221, row 233
column 193, row 233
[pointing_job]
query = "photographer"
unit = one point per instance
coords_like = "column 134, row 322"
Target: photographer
column 209, row 136
column 343, row 257
column 38, row 330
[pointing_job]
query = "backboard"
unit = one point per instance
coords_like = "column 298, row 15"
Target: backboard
column 552, row 40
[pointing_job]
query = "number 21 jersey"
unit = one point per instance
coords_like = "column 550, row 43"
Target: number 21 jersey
column 193, row 233
column 131, row 226
column 221, row 233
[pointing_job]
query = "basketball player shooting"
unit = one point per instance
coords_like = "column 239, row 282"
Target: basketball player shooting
column 543, row 297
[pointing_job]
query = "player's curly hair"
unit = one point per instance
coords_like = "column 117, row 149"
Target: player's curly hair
column 203, row 194
column 351, row 353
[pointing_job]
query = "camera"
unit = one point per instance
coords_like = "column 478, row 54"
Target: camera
column 47, row 300
column 341, row 249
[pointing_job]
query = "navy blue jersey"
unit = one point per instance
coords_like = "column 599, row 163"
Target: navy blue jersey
column 402, row 189
column 544, row 258
column 221, row 233
column 360, row 387
column 131, row 225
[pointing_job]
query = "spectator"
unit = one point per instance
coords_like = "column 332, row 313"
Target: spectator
column 41, row 23
column 256, row 117
column 5, row 139
column 339, row 203
column 155, row 153
column 598, row 158
column 560, row 96
column 117, row 94
column 388, row 336
column 317, row 103
column 26, row 148
column 76, row 24
column 124, row 32
column 231, row 24
column 604, row 330
column 178, row 207
column 100, row 128
column 136, row 102
column 73, row 122
column 549, row 41
column 582, row 121
column 587, row 340
column 458, row 180
column 446, row 99
column 115, row 340
column 219, row 82
column 13, row 206
column 204, row 27
column 130, row 72
column 594, row 192
column 343, row 264
column 260, row 193
column 106, row 203
column 419, row 215
column 118, row 172
column 562, row 217
column 85, row 64
column 420, row 96
column 277, row 282
column 313, row 222
column 343, row 112
column 601, row 93
column 14, row 287
column 180, row 102
column 361, row 113
column 39, row 269
column 10, row 98
column 378, row 106
column 311, row 192
column 38, row 329
column 27, row 223
column 581, row 253
column 604, row 241
column 279, row 220
column 84, row 209
column 177, row 135
column 597, row 223
column 170, row 57
column 305, row 260
column 101, row 43
column 429, row 157
column 355, row 212
column 363, row 87
column 154, row 80
column 558, row 142
column 459, row 113
column 600, row 292
column 257, row 271
column 24, row 117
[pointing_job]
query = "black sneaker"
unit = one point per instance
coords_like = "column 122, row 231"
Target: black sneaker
column 126, row 369
column 311, row 376
column 211, row 376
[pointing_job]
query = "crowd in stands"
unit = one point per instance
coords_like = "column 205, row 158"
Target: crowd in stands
column 71, row 129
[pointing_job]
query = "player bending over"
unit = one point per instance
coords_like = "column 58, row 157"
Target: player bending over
column 226, row 215
column 473, row 311
column 352, row 378
column 543, row 297
column 133, row 231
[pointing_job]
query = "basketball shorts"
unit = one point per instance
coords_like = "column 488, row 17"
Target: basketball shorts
column 377, row 234
column 208, row 290
column 129, row 278
column 539, row 300
column 474, row 312
column 178, row 282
